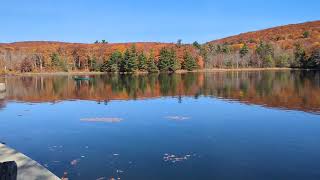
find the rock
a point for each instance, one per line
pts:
(2, 87)
(8, 170)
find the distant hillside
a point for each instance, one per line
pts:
(295, 45)
(286, 36)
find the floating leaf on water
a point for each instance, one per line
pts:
(106, 120)
(119, 171)
(64, 177)
(175, 158)
(75, 162)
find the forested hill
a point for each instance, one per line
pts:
(296, 45)
(307, 34)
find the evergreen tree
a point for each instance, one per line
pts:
(300, 56)
(179, 42)
(58, 63)
(152, 67)
(314, 61)
(174, 62)
(55, 60)
(196, 45)
(168, 60)
(114, 61)
(142, 62)
(164, 60)
(189, 62)
(244, 50)
(125, 58)
(265, 53)
(130, 60)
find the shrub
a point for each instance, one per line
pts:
(306, 34)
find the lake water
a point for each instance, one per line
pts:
(224, 125)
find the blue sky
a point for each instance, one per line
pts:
(146, 20)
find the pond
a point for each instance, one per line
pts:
(217, 125)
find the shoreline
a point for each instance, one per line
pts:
(178, 72)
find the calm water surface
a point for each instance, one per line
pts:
(226, 126)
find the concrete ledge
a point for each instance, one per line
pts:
(27, 168)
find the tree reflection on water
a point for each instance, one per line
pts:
(298, 90)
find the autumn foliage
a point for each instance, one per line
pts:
(48, 56)
(295, 45)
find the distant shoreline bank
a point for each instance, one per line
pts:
(177, 72)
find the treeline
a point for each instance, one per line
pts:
(130, 61)
(262, 55)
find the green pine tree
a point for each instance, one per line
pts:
(174, 62)
(168, 60)
(300, 56)
(130, 60)
(114, 61)
(189, 62)
(152, 67)
(164, 60)
(142, 62)
(55, 60)
(244, 50)
(265, 53)
(196, 45)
